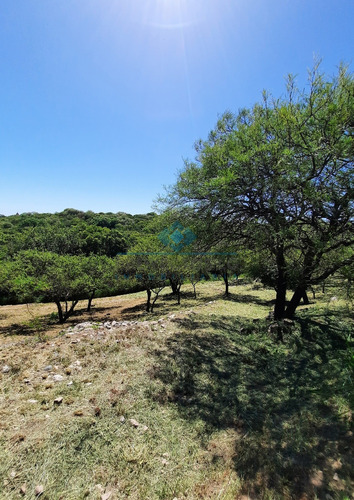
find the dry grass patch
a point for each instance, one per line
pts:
(193, 402)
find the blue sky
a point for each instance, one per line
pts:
(102, 99)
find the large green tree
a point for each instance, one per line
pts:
(278, 178)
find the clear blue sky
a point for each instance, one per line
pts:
(102, 99)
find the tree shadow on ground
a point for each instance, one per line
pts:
(16, 329)
(249, 299)
(279, 398)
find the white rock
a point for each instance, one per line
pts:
(6, 369)
(38, 490)
(32, 400)
(58, 378)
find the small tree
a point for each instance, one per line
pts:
(146, 264)
(100, 273)
(50, 277)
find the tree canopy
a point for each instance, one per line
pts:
(279, 179)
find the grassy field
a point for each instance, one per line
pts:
(198, 401)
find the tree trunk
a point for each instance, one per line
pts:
(173, 286)
(148, 302)
(60, 311)
(179, 293)
(305, 298)
(153, 304)
(226, 281)
(90, 299)
(280, 300)
(69, 312)
(295, 301)
(159, 290)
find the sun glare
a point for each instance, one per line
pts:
(170, 14)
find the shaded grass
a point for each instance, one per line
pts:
(289, 403)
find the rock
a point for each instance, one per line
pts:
(82, 326)
(106, 495)
(70, 383)
(136, 424)
(58, 378)
(6, 369)
(334, 299)
(48, 368)
(58, 401)
(78, 413)
(122, 419)
(38, 490)
(23, 489)
(26, 380)
(107, 325)
(336, 477)
(164, 461)
(32, 400)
